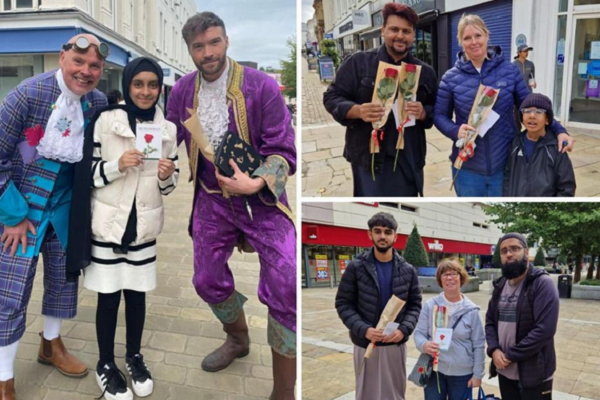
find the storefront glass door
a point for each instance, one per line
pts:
(423, 44)
(584, 98)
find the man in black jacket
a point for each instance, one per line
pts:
(367, 285)
(521, 322)
(348, 100)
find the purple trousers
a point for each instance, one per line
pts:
(217, 223)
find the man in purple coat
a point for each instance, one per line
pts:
(248, 210)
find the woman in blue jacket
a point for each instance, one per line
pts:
(482, 174)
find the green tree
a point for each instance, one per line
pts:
(414, 252)
(496, 259)
(328, 49)
(540, 258)
(561, 259)
(573, 227)
(288, 73)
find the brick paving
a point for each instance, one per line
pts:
(328, 372)
(325, 173)
(180, 328)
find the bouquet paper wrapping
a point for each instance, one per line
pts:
(386, 86)
(389, 314)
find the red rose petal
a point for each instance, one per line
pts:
(410, 67)
(391, 73)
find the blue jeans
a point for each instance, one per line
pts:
(452, 387)
(473, 184)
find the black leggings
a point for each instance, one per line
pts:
(106, 322)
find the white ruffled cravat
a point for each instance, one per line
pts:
(213, 112)
(63, 138)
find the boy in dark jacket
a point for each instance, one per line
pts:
(367, 285)
(535, 167)
(520, 325)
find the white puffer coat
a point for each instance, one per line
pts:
(114, 192)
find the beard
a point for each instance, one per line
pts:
(382, 249)
(514, 269)
(212, 70)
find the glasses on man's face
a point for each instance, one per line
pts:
(449, 275)
(510, 249)
(535, 111)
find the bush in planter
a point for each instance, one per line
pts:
(590, 282)
(540, 258)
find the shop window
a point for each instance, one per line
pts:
(586, 2)
(15, 69)
(404, 207)
(7, 5)
(560, 63)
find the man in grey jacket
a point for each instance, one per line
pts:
(526, 67)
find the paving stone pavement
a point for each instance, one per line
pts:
(325, 172)
(180, 328)
(327, 367)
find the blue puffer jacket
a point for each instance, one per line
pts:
(456, 94)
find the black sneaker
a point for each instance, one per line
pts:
(113, 383)
(141, 379)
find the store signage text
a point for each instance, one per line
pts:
(322, 267)
(420, 6)
(436, 246)
(346, 27)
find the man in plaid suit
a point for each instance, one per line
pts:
(42, 124)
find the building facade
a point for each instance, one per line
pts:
(33, 31)
(334, 233)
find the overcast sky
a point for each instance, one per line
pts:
(307, 10)
(258, 30)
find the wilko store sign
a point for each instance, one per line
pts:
(435, 246)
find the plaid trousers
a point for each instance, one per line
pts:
(60, 296)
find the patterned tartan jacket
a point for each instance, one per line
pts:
(26, 179)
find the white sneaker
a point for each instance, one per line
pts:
(141, 379)
(113, 383)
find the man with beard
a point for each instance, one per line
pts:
(251, 211)
(42, 124)
(367, 284)
(348, 99)
(521, 322)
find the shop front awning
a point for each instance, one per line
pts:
(49, 40)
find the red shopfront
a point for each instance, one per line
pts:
(327, 250)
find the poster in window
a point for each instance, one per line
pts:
(344, 260)
(322, 267)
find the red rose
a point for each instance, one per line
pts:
(410, 67)
(391, 73)
(421, 370)
(442, 337)
(34, 135)
(148, 138)
(490, 92)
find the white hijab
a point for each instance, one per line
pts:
(63, 138)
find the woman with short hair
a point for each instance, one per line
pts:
(462, 366)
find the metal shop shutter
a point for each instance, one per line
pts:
(497, 16)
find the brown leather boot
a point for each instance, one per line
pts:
(237, 345)
(53, 352)
(284, 377)
(7, 390)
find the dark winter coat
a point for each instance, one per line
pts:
(357, 299)
(354, 84)
(456, 95)
(548, 173)
(537, 320)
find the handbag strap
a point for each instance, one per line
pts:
(457, 321)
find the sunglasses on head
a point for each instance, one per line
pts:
(82, 45)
